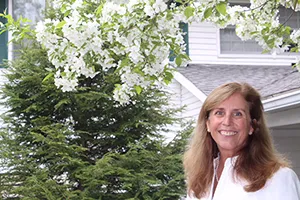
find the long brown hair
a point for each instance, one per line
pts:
(257, 160)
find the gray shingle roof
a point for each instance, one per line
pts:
(268, 80)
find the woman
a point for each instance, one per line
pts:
(231, 155)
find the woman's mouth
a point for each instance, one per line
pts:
(228, 133)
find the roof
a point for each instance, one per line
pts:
(270, 81)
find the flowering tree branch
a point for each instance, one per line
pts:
(134, 39)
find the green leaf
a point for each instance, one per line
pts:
(124, 62)
(271, 42)
(185, 56)
(189, 11)
(221, 8)
(265, 51)
(295, 2)
(254, 33)
(169, 16)
(207, 13)
(47, 77)
(168, 77)
(137, 69)
(138, 89)
(287, 30)
(294, 49)
(60, 24)
(63, 8)
(266, 38)
(265, 30)
(67, 13)
(117, 86)
(99, 10)
(178, 61)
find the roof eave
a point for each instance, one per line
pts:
(189, 86)
(282, 101)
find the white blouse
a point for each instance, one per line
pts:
(283, 185)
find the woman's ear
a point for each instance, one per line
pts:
(207, 126)
(252, 122)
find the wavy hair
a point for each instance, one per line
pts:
(257, 161)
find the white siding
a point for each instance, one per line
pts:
(174, 89)
(284, 117)
(182, 97)
(288, 143)
(191, 103)
(204, 48)
(202, 42)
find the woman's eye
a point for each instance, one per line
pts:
(238, 114)
(219, 113)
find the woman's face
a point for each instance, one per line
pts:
(229, 124)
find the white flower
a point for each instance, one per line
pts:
(159, 6)
(298, 63)
(66, 85)
(77, 4)
(295, 35)
(149, 10)
(121, 10)
(122, 94)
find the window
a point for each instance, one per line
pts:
(3, 36)
(30, 9)
(230, 43)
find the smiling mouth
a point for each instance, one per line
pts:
(228, 133)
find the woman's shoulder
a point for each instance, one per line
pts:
(284, 179)
(285, 173)
(284, 184)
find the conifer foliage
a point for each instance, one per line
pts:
(84, 144)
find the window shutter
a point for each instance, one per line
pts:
(3, 36)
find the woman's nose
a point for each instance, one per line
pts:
(227, 120)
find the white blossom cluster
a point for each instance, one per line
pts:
(133, 38)
(259, 22)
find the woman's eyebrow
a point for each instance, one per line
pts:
(218, 108)
(235, 109)
(239, 109)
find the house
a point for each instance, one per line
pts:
(219, 56)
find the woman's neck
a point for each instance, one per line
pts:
(223, 156)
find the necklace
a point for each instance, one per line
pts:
(216, 169)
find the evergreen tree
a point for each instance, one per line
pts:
(83, 144)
